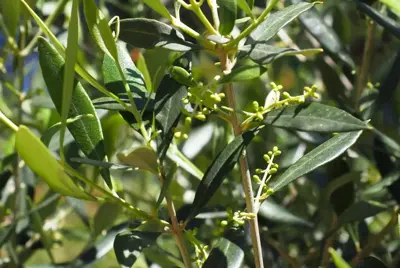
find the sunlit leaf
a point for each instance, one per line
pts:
(324, 153)
(87, 132)
(129, 245)
(243, 73)
(149, 33)
(225, 254)
(227, 10)
(314, 117)
(218, 170)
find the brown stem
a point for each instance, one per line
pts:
(374, 241)
(365, 64)
(244, 169)
(176, 229)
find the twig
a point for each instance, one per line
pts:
(176, 229)
(244, 169)
(365, 64)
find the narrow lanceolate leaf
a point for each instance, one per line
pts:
(115, 83)
(371, 262)
(227, 11)
(338, 260)
(264, 54)
(393, 4)
(149, 33)
(324, 153)
(87, 131)
(218, 170)
(10, 11)
(99, 28)
(133, 243)
(244, 5)
(243, 73)
(314, 117)
(276, 21)
(38, 158)
(325, 35)
(158, 7)
(112, 77)
(225, 254)
(277, 213)
(69, 70)
(360, 211)
(384, 21)
(142, 158)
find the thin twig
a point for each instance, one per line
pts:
(176, 229)
(244, 169)
(365, 64)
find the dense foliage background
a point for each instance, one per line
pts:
(349, 205)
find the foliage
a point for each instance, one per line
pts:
(218, 133)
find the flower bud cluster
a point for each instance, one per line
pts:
(277, 99)
(264, 191)
(202, 98)
(236, 219)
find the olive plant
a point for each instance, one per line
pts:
(161, 110)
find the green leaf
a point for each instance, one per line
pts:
(110, 104)
(314, 117)
(166, 183)
(142, 67)
(326, 36)
(218, 170)
(10, 13)
(250, 3)
(129, 245)
(87, 132)
(393, 4)
(43, 163)
(6, 233)
(264, 54)
(360, 211)
(387, 23)
(143, 158)
(243, 73)
(158, 7)
(227, 12)
(69, 71)
(324, 153)
(245, 6)
(112, 78)
(168, 106)
(149, 33)
(105, 216)
(338, 260)
(225, 254)
(99, 28)
(276, 213)
(276, 21)
(371, 262)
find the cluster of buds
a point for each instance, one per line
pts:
(203, 99)
(276, 99)
(237, 219)
(201, 250)
(264, 191)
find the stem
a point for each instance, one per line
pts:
(49, 21)
(214, 11)
(252, 26)
(8, 122)
(244, 169)
(366, 62)
(257, 199)
(199, 13)
(176, 229)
